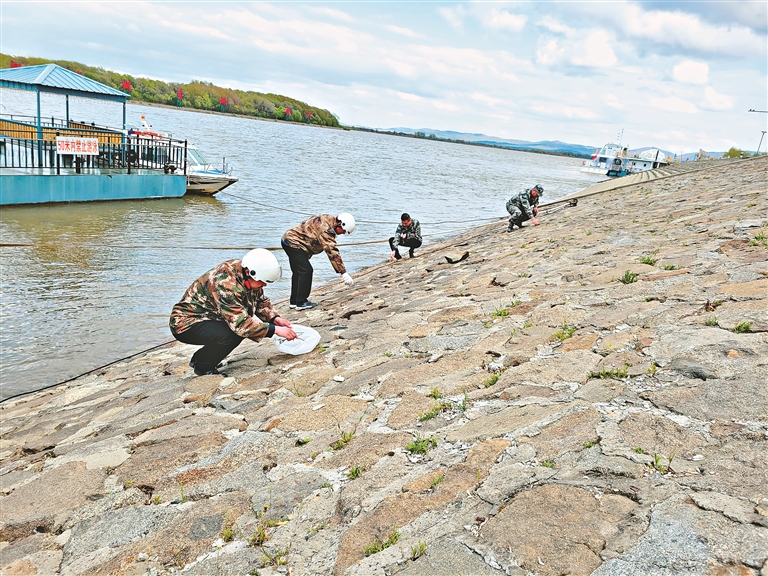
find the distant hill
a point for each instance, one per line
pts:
(548, 146)
(195, 94)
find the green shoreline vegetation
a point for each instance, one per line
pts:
(205, 96)
(197, 94)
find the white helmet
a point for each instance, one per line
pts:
(347, 222)
(261, 264)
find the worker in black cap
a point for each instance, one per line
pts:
(523, 207)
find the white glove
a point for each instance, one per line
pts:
(347, 279)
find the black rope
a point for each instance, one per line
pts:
(361, 221)
(86, 373)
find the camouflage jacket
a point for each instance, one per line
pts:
(220, 295)
(524, 202)
(412, 232)
(316, 234)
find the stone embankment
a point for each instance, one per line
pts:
(584, 397)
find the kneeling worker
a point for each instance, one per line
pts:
(316, 234)
(408, 234)
(218, 309)
(523, 207)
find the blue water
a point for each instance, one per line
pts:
(76, 300)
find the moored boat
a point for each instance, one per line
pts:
(203, 177)
(615, 160)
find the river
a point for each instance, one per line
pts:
(77, 300)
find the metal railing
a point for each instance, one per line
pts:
(135, 153)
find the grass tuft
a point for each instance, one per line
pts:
(628, 278)
(564, 333)
(377, 545)
(421, 445)
(742, 327)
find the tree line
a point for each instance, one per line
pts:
(196, 94)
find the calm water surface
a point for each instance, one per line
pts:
(77, 300)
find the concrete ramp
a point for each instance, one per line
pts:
(651, 175)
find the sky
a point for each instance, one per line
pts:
(677, 75)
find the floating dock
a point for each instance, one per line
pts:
(67, 161)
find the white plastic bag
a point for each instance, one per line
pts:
(307, 339)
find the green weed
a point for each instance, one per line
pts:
(564, 333)
(418, 550)
(435, 393)
(276, 558)
(589, 444)
(652, 369)
(612, 373)
(436, 481)
(670, 267)
(650, 260)
(181, 490)
(711, 321)
(659, 466)
(421, 445)
(500, 313)
(527, 324)
(302, 441)
(435, 411)
(742, 327)
(259, 536)
(344, 439)
(638, 450)
(628, 278)
(356, 471)
(463, 404)
(492, 379)
(548, 464)
(377, 545)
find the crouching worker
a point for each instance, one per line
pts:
(218, 309)
(408, 234)
(523, 207)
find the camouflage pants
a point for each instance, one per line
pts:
(516, 217)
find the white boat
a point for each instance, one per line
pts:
(203, 177)
(616, 160)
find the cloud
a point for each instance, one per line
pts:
(478, 97)
(685, 31)
(446, 106)
(715, 101)
(401, 68)
(558, 110)
(501, 19)
(690, 72)
(403, 31)
(611, 101)
(595, 51)
(198, 31)
(674, 104)
(409, 97)
(549, 53)
(454, 16)
(338, 14)
(554, 26)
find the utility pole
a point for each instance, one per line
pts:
(757, 152)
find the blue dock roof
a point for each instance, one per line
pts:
(52, 78)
